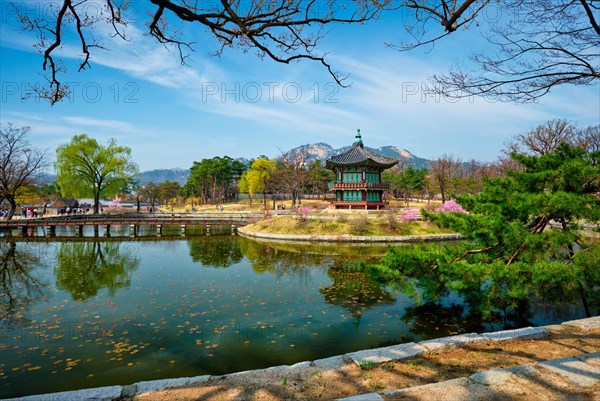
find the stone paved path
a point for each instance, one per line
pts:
(576, 378)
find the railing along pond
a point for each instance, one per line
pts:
(233, 220)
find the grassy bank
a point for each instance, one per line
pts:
(360, 225)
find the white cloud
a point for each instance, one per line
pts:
(140, 56)
(120, 126)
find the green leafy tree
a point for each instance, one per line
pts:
(244, 187)
(214, 179)
(521, 238)
(319, 177)
(260, 176)
(404, 183)
(86, 168)
(168, 192)
(150, 192)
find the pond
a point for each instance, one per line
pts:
(85, 312)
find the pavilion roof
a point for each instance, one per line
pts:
(359, 155)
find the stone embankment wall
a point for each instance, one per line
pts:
(350, 238)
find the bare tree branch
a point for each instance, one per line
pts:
(553, 43)
(19, 163)
(540, 44)
(282, 30)
(450, 15)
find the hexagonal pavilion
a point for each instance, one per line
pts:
(358, 177)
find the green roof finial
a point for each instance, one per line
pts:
(358, 139)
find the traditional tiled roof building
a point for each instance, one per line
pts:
(358, 177)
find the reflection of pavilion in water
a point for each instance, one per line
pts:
(355, 292)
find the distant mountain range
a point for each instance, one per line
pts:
(322, 151)
(164, 174)
(317, 151)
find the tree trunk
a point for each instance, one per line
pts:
(13, 207)
(96, 201)
(584, 301)
(214, 196)
(138, 203)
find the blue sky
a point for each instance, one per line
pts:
(242, 106)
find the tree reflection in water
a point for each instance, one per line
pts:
(355, 291)
(83, 268)
(18, 287)
(351, 289)
(275, 259)
(215, 251)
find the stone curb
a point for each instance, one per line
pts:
(376, 355)
(386, 354)
(438, 344)
(156, 385)
(585, 324)
(89, 394)
(363, 397)
(350, 238)
(525, 333)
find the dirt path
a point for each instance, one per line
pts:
(313, 383)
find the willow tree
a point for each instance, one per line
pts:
(86, 168)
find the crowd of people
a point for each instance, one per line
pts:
(68, 211)
(32, 212)
(3, 214)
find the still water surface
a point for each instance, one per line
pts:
(84, 313)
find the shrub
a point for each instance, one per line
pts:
(359, 225)
(451, 206)
(391, 219)
(410, 215)
(302, 213)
